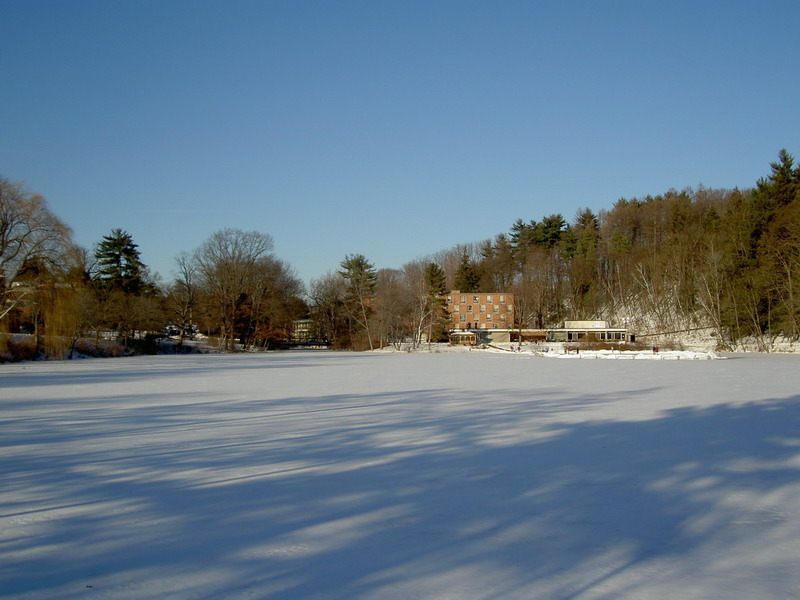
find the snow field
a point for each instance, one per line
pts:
(364, 476)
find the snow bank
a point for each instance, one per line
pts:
(633, 355)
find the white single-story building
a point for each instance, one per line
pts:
(589, 331)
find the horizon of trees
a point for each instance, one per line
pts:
(727, 261)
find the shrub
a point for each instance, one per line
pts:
(14, 348)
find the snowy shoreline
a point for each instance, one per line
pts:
(559, 351)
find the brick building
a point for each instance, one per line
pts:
(480, 310)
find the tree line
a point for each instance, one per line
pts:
(231, 288)
(725, 261)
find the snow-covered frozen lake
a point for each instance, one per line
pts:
(386, 476)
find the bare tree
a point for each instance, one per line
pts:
(328, 297)
(28, 230)
(425, 286)
(393, 308)
(539, 292)
(182, 295)
(269, 307)
(226, 264)
(420, 305)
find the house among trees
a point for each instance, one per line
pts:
(305, 333)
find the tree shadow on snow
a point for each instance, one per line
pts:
(391, 495)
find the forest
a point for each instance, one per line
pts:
(719, 261)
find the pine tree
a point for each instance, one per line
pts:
(436, 284)
(548, 233)
(467, 277)
(361, 281)
(120, 266)
(435, 280)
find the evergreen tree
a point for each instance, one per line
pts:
(435, 280)
(776, 223)
(522, 238)
(120, 266)
(586, 231)
(361, 281)
(360, 275)
(436, 284)
(467, 277)
(548, 233)
(498, 264)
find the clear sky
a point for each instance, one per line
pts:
(389, 128)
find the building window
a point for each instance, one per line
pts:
(489, 299)
(611, 336)
(489, 317)
(469, 307)
(496, 308)
(502, 317)
(476, 299)
(463, 299)
(463, 318)
(456, 308)
(483, 308)
(449, 299)
(502, 299)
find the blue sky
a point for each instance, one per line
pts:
(392, 129)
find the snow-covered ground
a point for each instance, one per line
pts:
(391, 475)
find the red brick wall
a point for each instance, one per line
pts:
(480, 310)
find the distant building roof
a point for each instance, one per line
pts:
(586, 325)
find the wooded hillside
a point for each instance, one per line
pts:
(726, 262)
